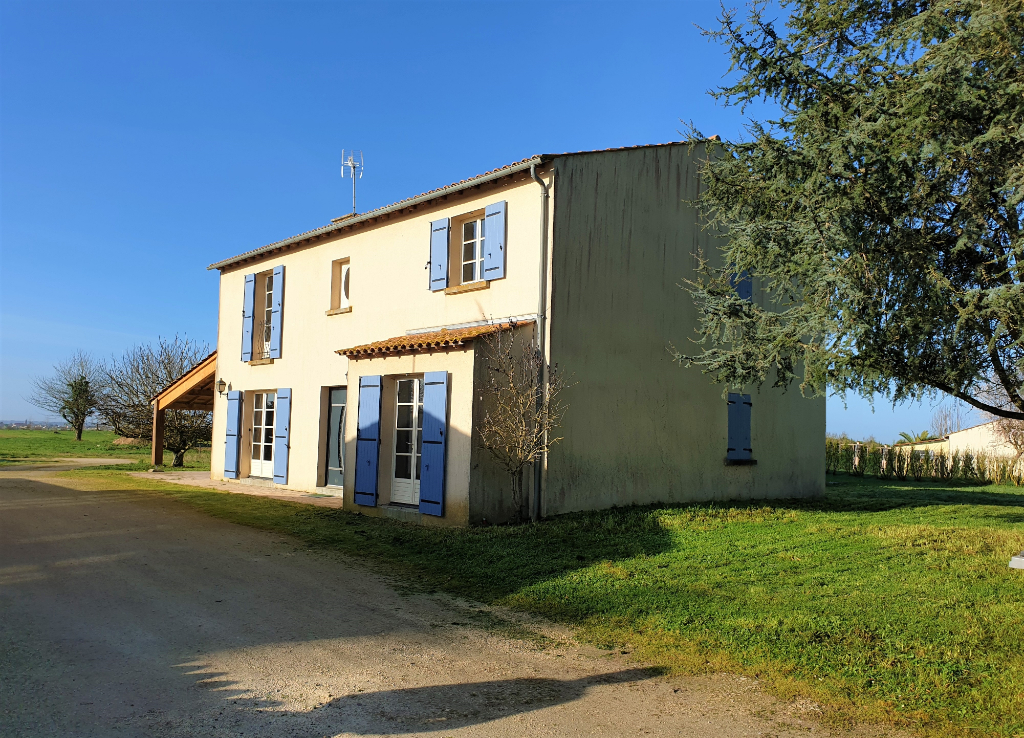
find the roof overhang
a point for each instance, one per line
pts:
(340, 226)
(194, 390)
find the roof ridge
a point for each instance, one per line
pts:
(507, 169)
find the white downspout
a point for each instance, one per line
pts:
(538, 466)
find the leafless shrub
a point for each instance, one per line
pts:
(522, 395)
(1011, 433)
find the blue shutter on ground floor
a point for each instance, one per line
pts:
(494, 241)
(438, 255)
(739, 428)
(232, 435)
(282, 424)
(435, 433)
(368, 440)
(276, 313)
(248, 305)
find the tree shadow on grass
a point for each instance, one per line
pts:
(861, 494)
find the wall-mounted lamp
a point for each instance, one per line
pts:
(221, 386)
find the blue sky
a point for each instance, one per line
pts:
(139, 142)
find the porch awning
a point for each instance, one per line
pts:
(193, 390)
(423, 342)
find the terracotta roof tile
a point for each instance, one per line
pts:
(432, 341)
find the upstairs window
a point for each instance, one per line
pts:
(473, 234)
(265, 300)
(468, 252)
(262, 315)
(340, 285)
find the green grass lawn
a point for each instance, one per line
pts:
(883, 601)
(18, 446)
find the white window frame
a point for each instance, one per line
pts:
(407, 491)
(259, 469)
(341, 299)
(477, 260)
(268, 312)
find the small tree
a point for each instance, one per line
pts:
(139, 375)
(72, 391)
(524, 407)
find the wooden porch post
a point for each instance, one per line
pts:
(158, 434)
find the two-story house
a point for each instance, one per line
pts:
(349, 355)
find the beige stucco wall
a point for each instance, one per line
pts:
(389, 296)
(639, 428)
(980, 438)
(459, 365)
(931, 446)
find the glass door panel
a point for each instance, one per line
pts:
(405, 483)
(262, 459)
(336, 437)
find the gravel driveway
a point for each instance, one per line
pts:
(129, 615)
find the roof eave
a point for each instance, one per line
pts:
(398, 206)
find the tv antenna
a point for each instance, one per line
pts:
(353, 160)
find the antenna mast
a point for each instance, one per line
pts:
(353, 159)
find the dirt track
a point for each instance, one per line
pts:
(124, 615)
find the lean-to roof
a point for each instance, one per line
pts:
(419, 342)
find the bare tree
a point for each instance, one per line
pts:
(950, 419)
(1010, 432)
(72, 391)
(523, 411)
(139, 375)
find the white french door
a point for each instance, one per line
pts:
(263, 412)
(405, 482)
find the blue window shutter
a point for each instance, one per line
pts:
(275, 313)
(282, 424)
(435, 433)
(248, 303)
(232, 435)
(368, 440)
(743, 285)
(739, 428)
(438, 255)
(494, 241)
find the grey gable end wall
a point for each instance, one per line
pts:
(640, 429)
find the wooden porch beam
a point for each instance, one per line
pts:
(159, 416)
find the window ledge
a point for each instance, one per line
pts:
(260, 362)
(339, 311)
(741, 462)
(471, 287)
